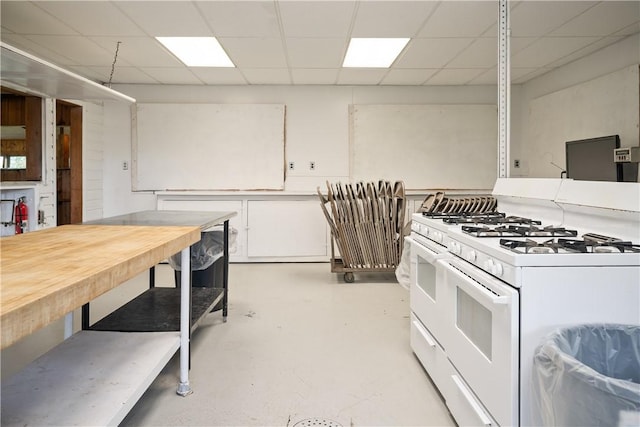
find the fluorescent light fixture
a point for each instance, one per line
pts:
(197, 51)
(373, 52)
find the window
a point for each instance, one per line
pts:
(21, 137)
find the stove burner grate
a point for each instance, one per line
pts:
(561, 245)
(519, 231)
(463, 216)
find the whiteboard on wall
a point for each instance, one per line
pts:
(426, 146)
(607, 105)
(208, 147)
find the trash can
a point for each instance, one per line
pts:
(587, 375)
(206, 255)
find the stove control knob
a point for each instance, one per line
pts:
(497, 270)
(437, 236)
(472, 256)
(455, 248)
(488, 265)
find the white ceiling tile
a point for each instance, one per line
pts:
(307, 76)
(27, 45)
(361, 76)
(222, 76)
(315, 53)
(406, 76)
(528, 76)
(518, 73)
(549, 49)
(255, 52)
(240, 18)
(250, 32)
(487, 77)
(79, 50)
(27, 18)
(172, 75)
(482, 53)
(431, 53)
(605, 18)
(454, 76)
(316, 18)
(121, 75)
(166, 18)
(627, 31)
(461, 19)
(599, 44)
(93, 18)
(267, 76)
(537, 18)
(141, 51)
(519, 43)
(391, 19)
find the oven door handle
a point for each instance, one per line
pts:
(427, 253)
(486, 421)
(479, 290)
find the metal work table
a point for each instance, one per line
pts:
(92, 377)
(157, 309)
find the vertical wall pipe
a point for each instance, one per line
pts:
(504, 90)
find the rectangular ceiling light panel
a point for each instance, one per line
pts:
(373, 52)
(197, 51)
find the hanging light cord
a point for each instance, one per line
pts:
(113, 66)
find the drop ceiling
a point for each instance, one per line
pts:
(288, 42)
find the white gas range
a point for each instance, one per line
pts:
(486, 291)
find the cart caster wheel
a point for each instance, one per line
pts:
(349, 278)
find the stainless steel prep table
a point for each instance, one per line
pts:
(157, 309)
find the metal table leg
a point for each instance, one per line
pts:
(225, 272)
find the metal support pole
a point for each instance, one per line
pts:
(68, 325)
(225, 272)
(504, 90)
(184, 388)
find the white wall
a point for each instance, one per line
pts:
(317, 118)
(317, 126)
(583, 73)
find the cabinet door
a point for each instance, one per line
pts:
(286, 228)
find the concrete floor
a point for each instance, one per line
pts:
(300, 345)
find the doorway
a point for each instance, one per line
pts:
(69, 162)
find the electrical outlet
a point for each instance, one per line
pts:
(125, 165)
(292, 166)
(312, 166)
(516, 163)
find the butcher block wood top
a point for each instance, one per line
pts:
(48, 273)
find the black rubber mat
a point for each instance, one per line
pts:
(158, 310)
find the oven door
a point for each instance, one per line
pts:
(426, 291)
(482, 340)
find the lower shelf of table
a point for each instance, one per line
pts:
(92, 378)
(158, 310)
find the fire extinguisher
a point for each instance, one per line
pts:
(21, 216)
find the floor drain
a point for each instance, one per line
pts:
(317, 422)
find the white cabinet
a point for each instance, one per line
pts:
(287, 228)
(271, 227)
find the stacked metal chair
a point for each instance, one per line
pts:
(366, 222)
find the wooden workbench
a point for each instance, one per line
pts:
(46, 274)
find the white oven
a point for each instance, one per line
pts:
(482, 301)
(427, 304)
(481, 339)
